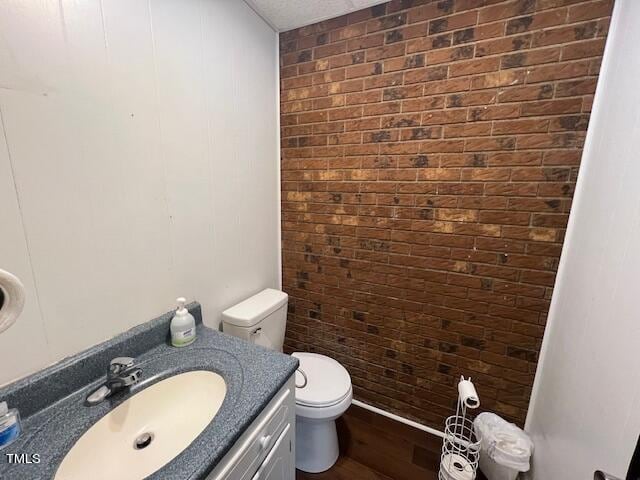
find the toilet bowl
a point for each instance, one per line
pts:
(323, 386)
(323, 393)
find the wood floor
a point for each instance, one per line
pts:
(348, 469)
(344, 469)
(373, 447)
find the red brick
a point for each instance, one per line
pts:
(557, 72)
(429, 157)
(502, 10)
(588, 10)
(552, 107)
(591, 48)
(453, 22)
(564, 34)
(472, 67)
(520, 126)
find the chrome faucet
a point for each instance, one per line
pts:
(122, 373)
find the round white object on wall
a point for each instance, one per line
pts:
(11, 299)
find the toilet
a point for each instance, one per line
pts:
(323, 386)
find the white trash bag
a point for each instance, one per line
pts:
(505, 449)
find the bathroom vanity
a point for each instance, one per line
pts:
(219, 409)
(266, 450)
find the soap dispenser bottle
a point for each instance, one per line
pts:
(183, 326)
(9, 425)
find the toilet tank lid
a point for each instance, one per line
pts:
(250, 311)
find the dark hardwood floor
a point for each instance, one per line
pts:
(348, 469)
(374, 447)
(344, 469)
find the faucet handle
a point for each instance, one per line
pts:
(119, 364)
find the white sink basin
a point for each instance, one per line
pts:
(173, 412)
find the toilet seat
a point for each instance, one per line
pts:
(323, 414)
(327, 382)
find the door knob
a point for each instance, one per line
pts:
(264, 441)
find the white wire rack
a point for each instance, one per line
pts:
(461, 446)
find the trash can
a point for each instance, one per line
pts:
(505, 449)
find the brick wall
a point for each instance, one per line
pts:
(429, 155)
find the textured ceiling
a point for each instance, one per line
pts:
(288, 14)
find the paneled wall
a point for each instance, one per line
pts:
(585, 404)
(430, 151)
(138, 163)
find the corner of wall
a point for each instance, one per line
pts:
(278, 159)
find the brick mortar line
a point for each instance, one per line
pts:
(440, 361)
(428, 96)
(451, 139)
(432, 269)
(428, 283)
(425, 52)
(533, 117)
(475, 236)
(412, 416)
(441, 384)
(520, 372)
(459, 234)
(424, 337)
(474, 43)
(470, 76)
(454, 333)
(440, 109)
(423, 112)
(437, 109)
(508, 267)
(435, 270)
(487, 303)
(504, 20)
(451, 332)
(500, 136)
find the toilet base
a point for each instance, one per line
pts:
(316, 444)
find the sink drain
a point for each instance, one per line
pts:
(143, 441)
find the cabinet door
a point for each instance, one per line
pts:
(249, 452)
(279, 463)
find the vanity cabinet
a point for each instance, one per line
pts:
(266, 450)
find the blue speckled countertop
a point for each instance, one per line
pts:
(54, 415)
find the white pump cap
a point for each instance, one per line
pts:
(4, 408)
(181, 301)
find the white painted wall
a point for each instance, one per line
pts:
(584, 413)
(138, 162)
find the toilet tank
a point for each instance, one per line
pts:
(260, 319)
